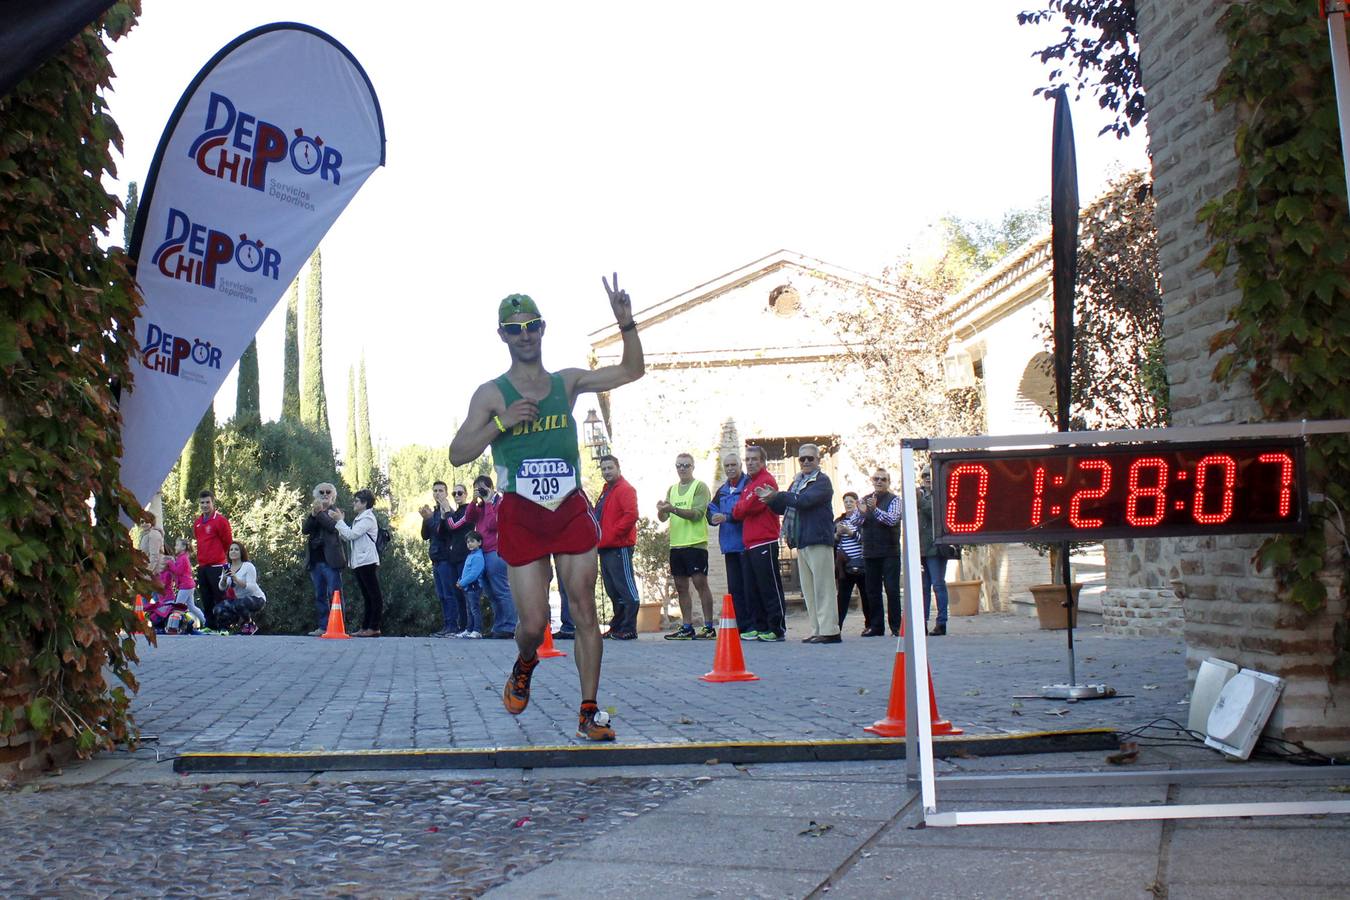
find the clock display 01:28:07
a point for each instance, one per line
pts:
(1148, 490)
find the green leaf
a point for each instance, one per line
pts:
(39, 713)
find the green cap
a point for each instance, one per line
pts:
(516, 303)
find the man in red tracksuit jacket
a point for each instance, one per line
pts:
(760, 529)
(214, 536)
(617, 510)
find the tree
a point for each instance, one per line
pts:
(129, 219)
(413, 468)
(290, 373)
(350, 469)
(1101, 38)
(313, 400)
(247, 413)
(1119, 372)
(67, 312)
(198, 470)
(365, 453)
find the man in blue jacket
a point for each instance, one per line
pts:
(729, 537)
(808, 525)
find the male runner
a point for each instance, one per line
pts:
(544, 517)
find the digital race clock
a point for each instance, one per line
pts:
(1138, 490)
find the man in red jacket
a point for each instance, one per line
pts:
(617, 510)
(759, 528)
(213, 534)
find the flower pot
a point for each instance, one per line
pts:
(649, 618)
(963, 597)
(1050, 609)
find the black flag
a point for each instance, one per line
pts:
(1064, 245)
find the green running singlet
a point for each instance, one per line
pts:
(540, 460)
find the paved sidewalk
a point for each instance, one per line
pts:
(283, 693)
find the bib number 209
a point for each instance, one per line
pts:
(546, 481)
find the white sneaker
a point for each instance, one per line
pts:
(460, 634)
(471, 634)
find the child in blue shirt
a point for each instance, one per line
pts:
(469, 579)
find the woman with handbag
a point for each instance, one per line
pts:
(849, 571)
(364, 559)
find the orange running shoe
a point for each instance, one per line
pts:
(593, 725)
(516, 694)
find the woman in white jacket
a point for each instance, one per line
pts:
(243, 597)
(365, 559)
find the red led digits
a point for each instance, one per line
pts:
(981, 497)
(1076, 504)
(1229, 466)
(1158, 492)
(1286, 464)
(1038, 504)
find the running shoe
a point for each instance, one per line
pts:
(749, 635)
(770, 637)
(593, 725)
(516, 694)
(248, 628)
(622, 635)
(471, 635)
(706, 633)
(683, 633)
(564, 634)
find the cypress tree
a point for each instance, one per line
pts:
(247, 414)
(313, 400)
(365, 454)
(199, 457)
(290, 376)
(129, 223)
(350, 470)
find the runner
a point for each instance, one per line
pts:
(526, 415)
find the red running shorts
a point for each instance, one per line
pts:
(527, 531)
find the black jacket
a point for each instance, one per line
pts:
(324, 541)
(435, 531)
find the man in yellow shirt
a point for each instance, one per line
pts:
(685, 506)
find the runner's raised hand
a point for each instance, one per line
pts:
(618, 301)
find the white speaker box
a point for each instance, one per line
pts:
(1244, 705)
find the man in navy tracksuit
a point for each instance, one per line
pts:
(729, 534)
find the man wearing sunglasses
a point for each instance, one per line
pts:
(686, 508)
(808, 526)
(544, 518)
(881, 554)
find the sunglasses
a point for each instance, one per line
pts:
(806, 459)
(534, 326)
(880, 480)
(459, 493)
(684, 465)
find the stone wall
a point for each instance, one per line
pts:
(1231, 611)
(24, 755)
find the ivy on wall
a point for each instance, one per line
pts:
(1284, 226)
(68, 573)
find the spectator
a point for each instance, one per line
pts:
(686, 507)
(932, 558)
(243, 598)
(458, 527)
(809, 528)
(183, 585)
(848, 563)
(881, 553)
(212, 532)
(617, 511)
(760, 530)
(151, 543)
(438, 538)
(470, 578)
(729, 536)
(484, 520)
(325, 555)
(365, 559)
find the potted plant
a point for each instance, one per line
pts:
(1052, 609)
(963, 594)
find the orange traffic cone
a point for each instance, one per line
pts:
(140, 608)
(894, 723)
(337, 630)
(546, 649)
(728, 663)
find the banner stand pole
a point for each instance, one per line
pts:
(914, 639)
(1335, 12)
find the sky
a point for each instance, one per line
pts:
(534, 147)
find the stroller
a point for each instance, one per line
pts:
(170, 617)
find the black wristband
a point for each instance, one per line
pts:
(629, 327)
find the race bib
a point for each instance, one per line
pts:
(546, 481)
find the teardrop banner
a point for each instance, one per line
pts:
(265, 149)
